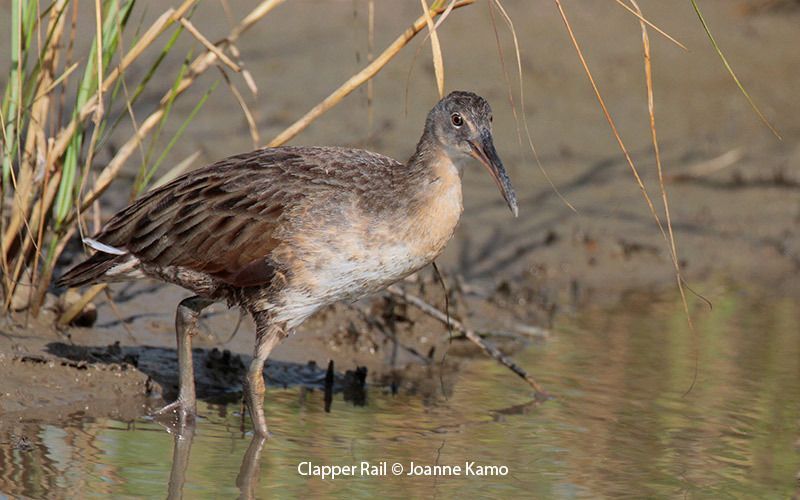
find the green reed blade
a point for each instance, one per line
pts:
(114, 20)
(731, 72)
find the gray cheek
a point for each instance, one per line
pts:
(454, 152)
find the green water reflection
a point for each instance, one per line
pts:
(622, 423)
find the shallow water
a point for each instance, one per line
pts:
(621, 422)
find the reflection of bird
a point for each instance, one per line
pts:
(285, 231)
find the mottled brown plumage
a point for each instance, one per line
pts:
(285, 231)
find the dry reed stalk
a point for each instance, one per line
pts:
(42, 76)
(76, 308)
(49, 190)
(248, 114)
(98, 20)
(671, 241)
(35, 142)
(610, 120)
(208, 45)
(200, 65)
(145, 41)
(667, 235)
(37, 180)
(648, 71)
(47, 274)
(436, 48)
(638, 14)
(358, 79)
(255, 15)
(370, 57)
(65, 134)
(517, 52)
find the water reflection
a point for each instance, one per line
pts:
(621, 422)
(246, 480)
(183, 437)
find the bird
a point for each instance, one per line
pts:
(283, 232)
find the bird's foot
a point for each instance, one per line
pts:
(186, 411)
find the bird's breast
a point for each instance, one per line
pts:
(350, 252)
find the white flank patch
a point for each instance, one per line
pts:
(102, 247)
(346, 279)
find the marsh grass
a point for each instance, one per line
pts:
(60, 106)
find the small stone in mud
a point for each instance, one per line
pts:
(503, 288)
(86, 318)
(153, 389)
(21, 443)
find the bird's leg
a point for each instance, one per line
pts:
(267, 337)
(185, 328)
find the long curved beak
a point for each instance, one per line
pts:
(483, 151)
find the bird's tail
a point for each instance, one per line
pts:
(108, 264)
(89, 271)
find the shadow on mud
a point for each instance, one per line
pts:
(218, 374)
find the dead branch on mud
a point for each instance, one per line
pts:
(470, 334)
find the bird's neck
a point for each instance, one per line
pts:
(432, 172)
(431, 162)
(434, 198)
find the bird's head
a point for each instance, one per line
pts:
(461, 124)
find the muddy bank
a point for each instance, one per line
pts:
(51, 375)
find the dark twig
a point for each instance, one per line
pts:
(236, 328)
(329, 379)
(470, 334)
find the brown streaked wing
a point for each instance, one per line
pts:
(219, 220)
(223, 219)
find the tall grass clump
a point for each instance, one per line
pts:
(58, 107)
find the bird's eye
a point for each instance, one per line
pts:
(457, 119)
(491, 118)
